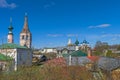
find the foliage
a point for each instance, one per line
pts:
(96, 53)
(118, 47)
(110, 54)
(53, 70)
(101, 46)
(48, 73)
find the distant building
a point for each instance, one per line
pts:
(69, 48)
(66, 49)
(84, 45)
(49, 50)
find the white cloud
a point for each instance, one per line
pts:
(110, 35)
(49, 5)
(100, 26)
(5, 4)
(114, 39)
(72, 35)
(54, 35)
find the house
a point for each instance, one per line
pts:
(49, 50)
(66, 49)
(76, 58)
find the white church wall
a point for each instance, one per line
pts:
(9, 52)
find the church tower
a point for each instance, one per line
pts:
(25, 35)
(10, 33)
(69, 42)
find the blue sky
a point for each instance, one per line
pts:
(53, 22)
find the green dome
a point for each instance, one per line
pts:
(11, 46)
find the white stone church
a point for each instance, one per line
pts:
(20, 54)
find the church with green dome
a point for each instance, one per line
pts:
(18, 54)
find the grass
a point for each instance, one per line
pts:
(48, 72)
(52, 70)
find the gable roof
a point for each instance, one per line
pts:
(11, 46)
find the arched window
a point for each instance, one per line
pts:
(23, 37)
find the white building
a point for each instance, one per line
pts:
(49, 50)
(21, 56)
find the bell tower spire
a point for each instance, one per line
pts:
(25, 35)
(10, 33)
(25, 27)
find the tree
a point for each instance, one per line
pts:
(109, 53)
(118, 48)
(100, 47)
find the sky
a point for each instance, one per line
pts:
(53, 22)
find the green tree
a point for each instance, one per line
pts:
(109, 53)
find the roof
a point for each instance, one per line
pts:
(107, 63)
(76, 54)
(11, 46)
(4, 58)
(25, 27)
(93, 58)
(104, 63)
(66, 47)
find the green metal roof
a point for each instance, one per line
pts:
(75, 54)
(11, 46)
(4, 58)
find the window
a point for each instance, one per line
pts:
(23, 37)
(27, 37)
